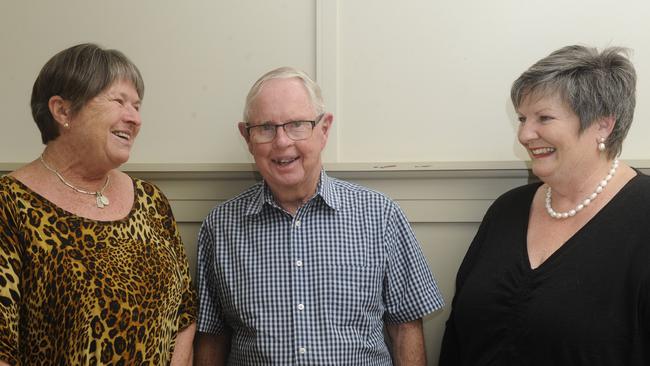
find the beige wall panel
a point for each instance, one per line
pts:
(443, 188)
(444, 246)
(189, 232)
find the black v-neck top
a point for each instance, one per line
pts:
(587, 304)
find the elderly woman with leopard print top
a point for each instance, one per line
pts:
(92, 267)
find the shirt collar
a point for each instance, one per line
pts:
(326, 190)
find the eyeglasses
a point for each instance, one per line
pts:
(295, 130)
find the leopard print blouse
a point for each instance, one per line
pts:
(75, 291)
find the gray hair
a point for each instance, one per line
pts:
(315, 94)
(593, 84)
(78, 74)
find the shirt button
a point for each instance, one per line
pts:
(297, 223)
(302, 350)
(299, 263)
(301, 307)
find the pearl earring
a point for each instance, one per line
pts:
(601, 145)
(66, 125)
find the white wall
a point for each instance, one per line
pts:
(198, 59)
(424, 80)
(413, 80)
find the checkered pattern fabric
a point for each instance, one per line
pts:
(315, 288)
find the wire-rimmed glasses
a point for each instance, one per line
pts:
(295, 130)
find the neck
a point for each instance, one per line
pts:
(292, 199)
(574, 189)
(293, 205)
(580, 191)
(76, 169)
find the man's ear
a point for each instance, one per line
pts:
(244, 133)
(60, 110)
(326, 123)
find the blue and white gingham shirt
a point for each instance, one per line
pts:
(314, 289)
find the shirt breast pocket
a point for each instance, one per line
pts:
(354, 297)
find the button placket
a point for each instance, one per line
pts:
(300, 286)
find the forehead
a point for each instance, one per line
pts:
(121, 86)
(280, 100)
(538, 101)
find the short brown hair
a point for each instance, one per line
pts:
(78, 74)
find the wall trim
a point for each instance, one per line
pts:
(379, 170)
(327, 67)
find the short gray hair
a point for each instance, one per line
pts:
(286, 72)
(594, 84)
(78, 74)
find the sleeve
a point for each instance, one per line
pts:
(10, 297)
(450, 352)
(186, 313)
(644, 309)
(410, 291)
(187, 309)
(210, 319)
(644, 295)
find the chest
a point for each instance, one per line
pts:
(588, 289)
(265, 268)
(545, 237)
(71, 260)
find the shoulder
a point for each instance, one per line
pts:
(18, 202)
(11, 189)
(525, 191)
(354, 202)
(633, 199)
(355, 193)
(6, 182)
(7, 186)
(640, 184)
(148, 196)
(238, 205)
(517, 198)
(143, 184)
(145, 188)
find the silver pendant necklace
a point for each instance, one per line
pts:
(100, 199)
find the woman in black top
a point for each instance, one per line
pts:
(559, 271)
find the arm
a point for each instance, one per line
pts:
(183, 349)
(211, 350)
(182, 354)
(213, 338)
(450, 349)
(407, 341)
(10, 273)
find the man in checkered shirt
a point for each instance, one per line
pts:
(303, 268)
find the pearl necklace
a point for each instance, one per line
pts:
(100, 199)
(583, 204)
